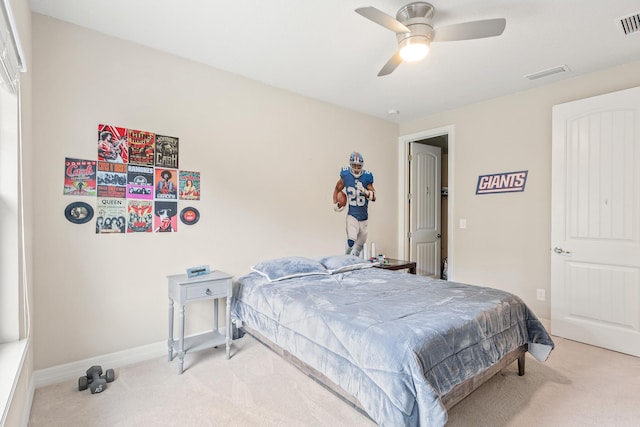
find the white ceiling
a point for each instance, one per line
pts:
(324, 50)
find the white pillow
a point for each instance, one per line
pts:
(289, 267)
(343, 263)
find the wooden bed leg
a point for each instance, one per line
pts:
(521, 364)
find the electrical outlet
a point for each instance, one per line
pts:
(540, 294)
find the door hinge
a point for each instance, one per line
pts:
(409, 235)
(409, 158)
(409, 196)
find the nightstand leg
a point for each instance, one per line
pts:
(215, 315)
(181, 342)
(170, 343)
(228, 327)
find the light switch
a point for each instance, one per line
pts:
(463, 223)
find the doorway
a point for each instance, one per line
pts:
(426, 234)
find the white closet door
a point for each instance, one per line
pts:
(595, 231)
(424, 205)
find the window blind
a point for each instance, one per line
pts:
(11, 62)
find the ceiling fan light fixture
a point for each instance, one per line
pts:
(414, 49)
(414, 30)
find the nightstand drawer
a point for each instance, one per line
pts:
(207, 290)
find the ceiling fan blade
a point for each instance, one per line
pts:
(470, 30)
(391, 65)
(383, 19)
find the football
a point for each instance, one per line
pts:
(342, 199)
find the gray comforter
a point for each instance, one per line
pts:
(394, 341)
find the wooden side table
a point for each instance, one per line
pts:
(397, 264)
(184, 290)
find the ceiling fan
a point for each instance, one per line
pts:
(415, 32)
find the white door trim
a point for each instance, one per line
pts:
(403, 203)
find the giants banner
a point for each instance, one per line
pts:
(506, 182)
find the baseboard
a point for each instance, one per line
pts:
(74, 370)
(546, 323)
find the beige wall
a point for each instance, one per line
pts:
(507, 240)
(269, 160)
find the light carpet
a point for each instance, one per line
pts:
(579, 385)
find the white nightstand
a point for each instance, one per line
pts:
(183, 290)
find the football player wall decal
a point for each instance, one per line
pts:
(357, 184)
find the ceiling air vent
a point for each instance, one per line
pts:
(630, 24)
(548, 72)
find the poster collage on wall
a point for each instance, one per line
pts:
(136, 180)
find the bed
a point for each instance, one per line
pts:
(399, 347)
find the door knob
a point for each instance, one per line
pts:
(560, 251)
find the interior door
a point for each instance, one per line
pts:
(595, 230)
(424, 208)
